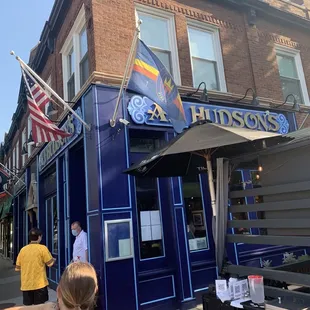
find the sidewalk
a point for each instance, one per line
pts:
(10, 294)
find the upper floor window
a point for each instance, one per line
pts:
(75, 60)
(291, 74)
(83, 64)
(49, 83)
(17, 154)
(29, 150)
(206, 56)
(24, 143)
(14, 158)
(157, 31)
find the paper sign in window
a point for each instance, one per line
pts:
(151, 229)
(124, 247)
(146, 233)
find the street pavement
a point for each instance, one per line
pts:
(10, 294)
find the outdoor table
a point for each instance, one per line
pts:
(248, 305)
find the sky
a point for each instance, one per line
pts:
(21, 25)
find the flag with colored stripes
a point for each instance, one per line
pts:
(150, 78)
(43, 129)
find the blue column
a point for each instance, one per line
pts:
(185, 289)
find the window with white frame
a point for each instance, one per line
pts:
(75, 60)
(83, 63)
(29, 150)
(24, 140)
(291, 74)
(17, 154)
(49, 83)
(14, 158)
(206, 56)
(157, 31)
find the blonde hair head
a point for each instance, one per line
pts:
(78, 286)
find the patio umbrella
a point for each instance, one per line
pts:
(205, 140)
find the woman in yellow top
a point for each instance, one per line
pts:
(76, 290)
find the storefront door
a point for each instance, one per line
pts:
(153, 230)
(52, 234)
(52, 223)
(197, 205)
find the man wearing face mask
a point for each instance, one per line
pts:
(80, 244)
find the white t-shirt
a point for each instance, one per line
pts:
(80, 246)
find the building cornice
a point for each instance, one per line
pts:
(265, 9)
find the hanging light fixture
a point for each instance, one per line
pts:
(204, 96)
(51, 110)
(254, 102)
(296, 106)
(30, 139)
(24, 149)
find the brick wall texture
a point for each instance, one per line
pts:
(248, 51)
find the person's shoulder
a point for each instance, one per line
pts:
(84, 233)
(43, 247)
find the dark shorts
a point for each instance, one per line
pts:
(35, 297)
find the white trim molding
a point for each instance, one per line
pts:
(73, 41)
(214, 31)
(169, 17)
(291, 52)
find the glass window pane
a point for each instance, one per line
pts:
(141, 141)
(71, 88)
(287, 66)
(201, 44)
(205, 71)
(258, 199)
(119, 240)
(71, 65)
(291, 87)
(149, 217)
(236, 183)
(55, 225)
(154, 31)
(83, 43)
(196, 222)
(164, 57)
(84, 70)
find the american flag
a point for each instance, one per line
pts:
(43, 129)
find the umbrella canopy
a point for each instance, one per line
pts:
(203, 141)
(176, 158)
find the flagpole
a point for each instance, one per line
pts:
(11, 172)
(42, 89)
(303, 122)
(32, 73)
(127, 69)
(8, 193)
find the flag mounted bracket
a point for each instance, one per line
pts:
(126, 73)
(29, 71)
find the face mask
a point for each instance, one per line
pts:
(74, 232)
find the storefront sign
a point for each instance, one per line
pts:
(144, 111)
(73, 126)
(20, 183)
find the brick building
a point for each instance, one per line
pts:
(232, 46)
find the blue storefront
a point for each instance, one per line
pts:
(150, 240)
